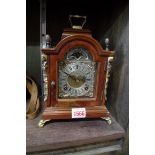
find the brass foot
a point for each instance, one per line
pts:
(108, 119)
(42, 123)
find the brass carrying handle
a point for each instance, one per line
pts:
(77, 26)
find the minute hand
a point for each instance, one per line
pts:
(66, 73)
(72, 76)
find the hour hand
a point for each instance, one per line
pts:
(73, 77)
(66, 73)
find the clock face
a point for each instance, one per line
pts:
(77, 74)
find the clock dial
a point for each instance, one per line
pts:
(77, 77)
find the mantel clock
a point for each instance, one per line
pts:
(77, 71)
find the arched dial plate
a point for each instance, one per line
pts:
(77, 75)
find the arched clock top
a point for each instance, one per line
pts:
(79, 40)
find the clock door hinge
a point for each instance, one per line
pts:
(105, 65)
(52, 87)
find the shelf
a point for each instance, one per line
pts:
(69, 135)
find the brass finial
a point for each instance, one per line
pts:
(107, 44)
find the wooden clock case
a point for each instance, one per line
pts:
(95, 108)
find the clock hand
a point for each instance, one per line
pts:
(72, 76)
(80, 78)
(66, 73)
